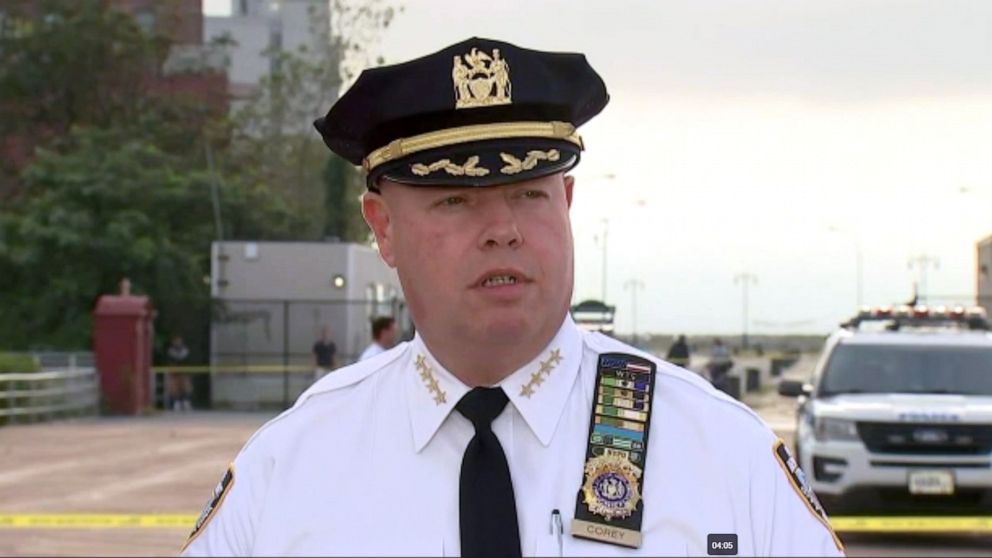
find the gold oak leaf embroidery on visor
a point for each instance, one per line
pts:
(427, 375)
(537, 378)
(470, 168)
(514, 165)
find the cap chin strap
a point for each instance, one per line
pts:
(565, 164)
(402, 147)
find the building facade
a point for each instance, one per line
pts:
(271, 301)
(256, 26)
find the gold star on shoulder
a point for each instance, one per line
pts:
(430, 382)
(542, 373)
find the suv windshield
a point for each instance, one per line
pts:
(908, 369)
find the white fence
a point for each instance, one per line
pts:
(52, 393)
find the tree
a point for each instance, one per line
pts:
(108, 204)
(273, 128)
(119, 184)
(68, 63)
(76, 62)
(343, 215)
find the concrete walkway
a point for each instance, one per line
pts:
(162, 464)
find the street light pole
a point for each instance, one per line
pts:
(633, 285)
(606, 232)
(923, 262)
(745, 279)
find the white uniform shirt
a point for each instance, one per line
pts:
(367, 463)
(371, 351)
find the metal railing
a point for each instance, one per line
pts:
(50, 394)
(62, 359)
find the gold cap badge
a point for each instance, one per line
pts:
(481, 80)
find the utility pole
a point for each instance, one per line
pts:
(923, 262)
(633, 285)
(745, 279)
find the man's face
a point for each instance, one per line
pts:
(481, 265)
(387, 338)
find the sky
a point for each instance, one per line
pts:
(775, 138)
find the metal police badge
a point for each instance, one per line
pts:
(609, 507)
(611, 486)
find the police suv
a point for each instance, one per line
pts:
(899, 411)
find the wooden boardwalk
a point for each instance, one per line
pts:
(167, 463)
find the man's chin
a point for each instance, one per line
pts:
(508, 329)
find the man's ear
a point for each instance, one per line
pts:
(569, 183)
(376, 213)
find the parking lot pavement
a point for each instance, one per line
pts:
(777, 411)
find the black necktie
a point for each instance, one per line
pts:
(487, 510)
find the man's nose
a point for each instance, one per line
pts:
(501, 226)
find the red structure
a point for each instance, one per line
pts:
(122, 345)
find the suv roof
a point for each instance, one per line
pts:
(950, 338)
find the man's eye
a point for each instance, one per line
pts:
(534, 194)
(452, 201)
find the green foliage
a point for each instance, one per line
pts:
(107, 205)
(274, 127)
(343, 187)
(11, 362)
(119, 185)
(69, 63)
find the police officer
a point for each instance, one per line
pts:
(501, 429)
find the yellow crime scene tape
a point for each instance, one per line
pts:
(95, 520)
(912, 524)
(895, 524)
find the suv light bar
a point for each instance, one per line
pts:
(920, 316)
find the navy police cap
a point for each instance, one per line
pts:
(477, 113)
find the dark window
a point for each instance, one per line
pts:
(908, 369)
(146, 20)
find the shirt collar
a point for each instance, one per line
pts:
(538, 390)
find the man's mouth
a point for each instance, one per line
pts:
(499, 281)
(500, 277)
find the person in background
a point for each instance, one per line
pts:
(720, 362)
(678, 353)
(383, 337)
(324, 354)
(180, 385)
